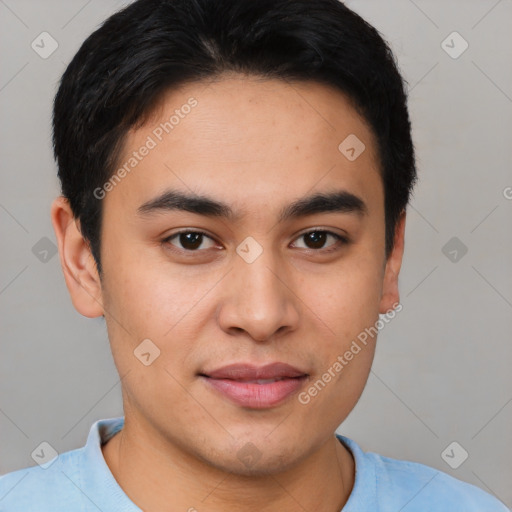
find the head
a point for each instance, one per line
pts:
(235, 176)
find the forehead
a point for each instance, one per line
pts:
(239, 138)
(251, 111)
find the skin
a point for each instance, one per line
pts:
(256, 145)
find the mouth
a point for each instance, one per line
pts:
(255, 387)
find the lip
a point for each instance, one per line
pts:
(238, 383)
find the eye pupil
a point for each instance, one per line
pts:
(190, 240)
(315, 240)
(317, 237)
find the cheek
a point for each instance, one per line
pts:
(148, 298)
(349, 306)
(346, 299)
(155, 302)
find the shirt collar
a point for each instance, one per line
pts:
(100, 486)
(364, 492)
(98, 482)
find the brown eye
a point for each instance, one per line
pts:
(317, 239)
(190, 240)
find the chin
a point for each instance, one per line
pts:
(246, 459)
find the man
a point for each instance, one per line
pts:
(235, 176)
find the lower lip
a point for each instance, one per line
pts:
(256, 396)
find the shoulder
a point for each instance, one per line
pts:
(43, 489)
(426, 488)
(415, 487)
(74, 480)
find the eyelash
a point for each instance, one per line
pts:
(340, 240)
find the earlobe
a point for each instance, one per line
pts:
(390, 293)
(78, 265)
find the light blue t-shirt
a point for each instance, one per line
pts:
(80, 481)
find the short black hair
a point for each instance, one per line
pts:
(123, 69)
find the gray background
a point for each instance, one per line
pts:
(442, 367)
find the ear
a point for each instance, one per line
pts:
(78, 265)
(390, 295)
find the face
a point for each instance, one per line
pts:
(260, 285)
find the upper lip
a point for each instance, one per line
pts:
(245, 371)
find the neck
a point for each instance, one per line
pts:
(154, 476)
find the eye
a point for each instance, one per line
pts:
(317, 238)
(194, 241)
(190, 240)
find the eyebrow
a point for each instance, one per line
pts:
(340, 201)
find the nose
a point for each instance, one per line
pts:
(259, 298)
